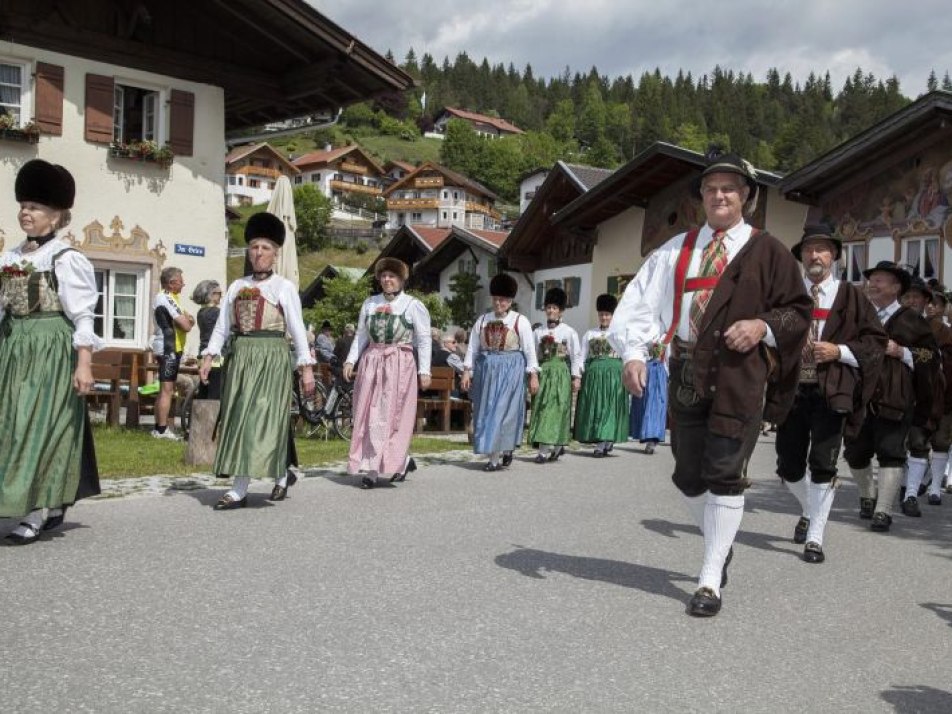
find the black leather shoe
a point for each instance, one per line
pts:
(507, 459)
(554, 456)
(279, 493)
(813, 553)
(800, 532)
(599, 454)
(491, 467)
(56, 521)
(910, 507)
(704, 603)
(866, 507)
(881, 522)
(649, 447)
(32, 535)
(230, 503)
(399, 478)
(935, 499)
(730, 557)
(540, 459)
(367, 482)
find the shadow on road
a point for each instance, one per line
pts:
(761, 541)
(920, 699)
(536, 563)
(943, 611)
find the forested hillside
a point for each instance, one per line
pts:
(777, 121)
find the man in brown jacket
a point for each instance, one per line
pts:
(901, 406)
(743, 298)
(840, 368)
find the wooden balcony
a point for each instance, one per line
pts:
(353, 168)
(354, 187)
(257, 171)
(428, 182)
(472, 207)
(404, 204)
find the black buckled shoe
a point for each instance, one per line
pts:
(506, 459)
(55, 521)
(866, 508)
(229, 503)
(935, 499)
(649, 448)
(599, 454)
(813, 553)
(491, 467)
(556, 453)
(800, 532)
(279, 493)
(727, 561)
(704, 603)
(401, 477)
(910, 507)
(31, 536)
(540, 459)
(881, 522)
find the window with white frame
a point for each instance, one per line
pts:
(121, 318)
(466, 265)
(853, 262)
(135, 114)
(14, 92)
(921, 254)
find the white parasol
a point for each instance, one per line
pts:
(282, 206)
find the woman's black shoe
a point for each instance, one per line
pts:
(367, 482)
(491, 467)
(55, 521)
(32, 535)
(507, 458)
(556, 453)
(399, 478)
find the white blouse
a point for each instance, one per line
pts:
(512, 320)
(594, 333)
(413, 311)
(279, 292)
(76, 280)
(569, 337)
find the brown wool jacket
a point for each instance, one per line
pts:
(852, 322)
(763, 281)
(901, 389)
(943, 337)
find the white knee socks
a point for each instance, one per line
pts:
(939, 462)
(889, 478)
(799, 490)
(819, 503)
(695, 506)
(239, 489)
(722, 517)
(915, 470)
(864, 480)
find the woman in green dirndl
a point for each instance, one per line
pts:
(601, 414)
(558, 351)
(254, 424)
(48, 301)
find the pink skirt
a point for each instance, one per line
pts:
(385, 399)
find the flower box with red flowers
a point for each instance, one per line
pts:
(9, 131)
(144, 151)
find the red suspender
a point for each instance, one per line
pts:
(820, 314)
(680, 272)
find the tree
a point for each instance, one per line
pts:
(462, 148)
(561, 122)
(313, 212)
(341, 303)
(462, 305)
(434, 304)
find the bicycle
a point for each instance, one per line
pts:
(333, 408)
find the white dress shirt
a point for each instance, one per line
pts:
(594, 333)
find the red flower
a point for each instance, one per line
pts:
(249, 294)
(385, 309)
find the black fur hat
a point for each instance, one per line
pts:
(265, 225)
(42, 182)
(556, 296)
(392, 265)
(606, 303)
(503, 285)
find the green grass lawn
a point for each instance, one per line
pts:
(310, 264)
(124, 453)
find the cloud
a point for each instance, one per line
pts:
(622, 37)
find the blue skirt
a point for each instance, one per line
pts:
(499, 401)
(649, 412)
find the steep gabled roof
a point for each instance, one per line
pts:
(456, 242)
(405, 165)
(500, 124)
(456, 179)
(240, 152)
(322, 158)
(903, 132)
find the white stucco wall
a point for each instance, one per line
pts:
(618, 251)
(530, 185)
(183, 204)
(579, 317)
(784, 219)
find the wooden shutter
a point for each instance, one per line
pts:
(49, 98)
(181, 122)
(100, 99)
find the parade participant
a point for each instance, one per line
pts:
(601, 415)
(168, 343)
(254, 425)
(901, 406)
(840, 369)
(499, 354)
(385, 394)
(930, 302)
(48, 302)
(208, 295)
(647, 418)
(742, 294)
(560, 375)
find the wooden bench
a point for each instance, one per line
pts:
(108, 375)
(439, 400)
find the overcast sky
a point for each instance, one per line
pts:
(619, 37)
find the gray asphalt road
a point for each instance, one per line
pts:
(555, 588)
